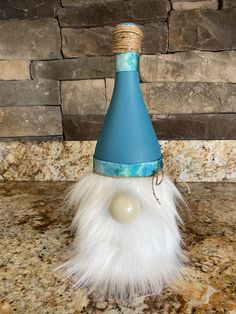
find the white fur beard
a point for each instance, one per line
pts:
(123, 261)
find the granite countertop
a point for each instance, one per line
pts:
(35, 237)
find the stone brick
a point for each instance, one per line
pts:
(24, 93)
(110, 13)
(28, 9)
(109, 89)
(74, 3)
(83, 97)
(169, 127)
(189, 67)
(196, 126)
(14, 69)
(171, 98)
(202, 30)
(86, 41)
(229, 4)
(194, 4)
(30, 39)
(97, 40)
(74, 69)
(181, 98)
(30, 121)
(83, 127)
(155, 38)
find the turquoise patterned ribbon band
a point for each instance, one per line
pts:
(127, 61)
(112, 169)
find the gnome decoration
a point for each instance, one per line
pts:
(127, 242)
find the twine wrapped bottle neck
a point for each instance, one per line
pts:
(126, 37)
(126, 44)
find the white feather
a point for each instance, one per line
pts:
(124, 260)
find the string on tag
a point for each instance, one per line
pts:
(157, 178)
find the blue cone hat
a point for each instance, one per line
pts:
(127, 145)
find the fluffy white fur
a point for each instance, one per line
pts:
(124, 260)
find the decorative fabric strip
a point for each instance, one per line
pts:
(112, 169)
(127, 61)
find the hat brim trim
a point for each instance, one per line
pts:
(112, 169)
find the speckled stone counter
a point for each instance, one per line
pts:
(189, 161)
(35, 237)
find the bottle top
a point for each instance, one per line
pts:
(126, 37)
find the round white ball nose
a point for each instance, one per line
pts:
(124, 208)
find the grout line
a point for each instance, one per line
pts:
(220, 4)
(168, 28)
(62, 115)
(60, 28)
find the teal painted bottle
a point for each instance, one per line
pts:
(127, 144)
